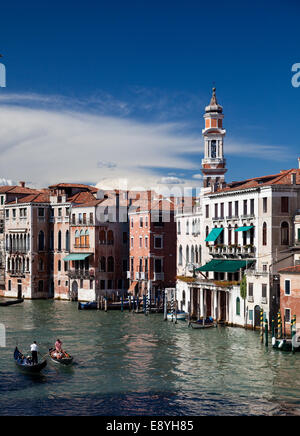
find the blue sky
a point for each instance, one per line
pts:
(146, 67)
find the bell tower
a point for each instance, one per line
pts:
(213, 164)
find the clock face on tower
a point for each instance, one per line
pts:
(213, 149)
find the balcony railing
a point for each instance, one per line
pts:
(159, 276)
(81, 274)
(14, 273)
(82, 222)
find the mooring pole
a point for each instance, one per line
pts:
(293, 328)
(122, 304)
(262, 326)
(266, 333)
(279, 326)
(105, 304)
(165, 305)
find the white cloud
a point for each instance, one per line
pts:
(48, 146)
(170, 180)
(197, 176)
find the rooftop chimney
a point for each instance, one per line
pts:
(293, 178)
(22, 184)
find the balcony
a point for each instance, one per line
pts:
(82, 223)
(81, 274)
(14, 273)
(158, 276)
(248, 216)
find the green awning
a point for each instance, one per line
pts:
(230, 266)
(243, 229)
(214, 234)
(77, 256)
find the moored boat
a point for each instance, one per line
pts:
(90, 305)
(11, 302)
(285, 344)
(203, 323)
(26, 365)
(179, 315)
(62, 358)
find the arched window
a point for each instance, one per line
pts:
(27, 264)
(102, 237)
(236, 235)
(187, 227)
(77, 239)
(238, 306)
(178, 228)
(196, 255)
(8, 264)
(187, 254)
(180, 255)
(59, 265)
(67, 240)
(229, 234)
(110, 264)
(87, 238)
(102, 264)
(82, 238)
(183, 297)
(110, 237)
(59, 241)
(28, 242)
(7, 243)
(285, 233)
(41, 241)
(192, 255)
(41, 265)
(264, 234)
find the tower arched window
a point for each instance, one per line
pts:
(284, 233)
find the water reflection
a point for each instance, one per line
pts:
(128, 364)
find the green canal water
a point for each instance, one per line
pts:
(128, 364)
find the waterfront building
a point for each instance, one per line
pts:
(152, 245)
(27, 272)
(289, 296)
(249, 229)
(98, 259)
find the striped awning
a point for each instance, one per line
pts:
(214, 234)
(230, 266)
(77, 256)
(243, 229)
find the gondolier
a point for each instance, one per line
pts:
(34, 352)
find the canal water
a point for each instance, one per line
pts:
(128, 364)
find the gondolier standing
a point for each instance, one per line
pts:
(34, 352)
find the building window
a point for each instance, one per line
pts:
(9, 285)
(287, 315)
(59, 265)
(245, 207)
(284, 233)
(187, 255)
(157, 241)
(284, 204)
(238, 306)
(109, 284)
(59, 211)
(66, 266)
(264, 291)
(180, 256)
(178, 228)
(110, 264)
(41, 241)
(207, 211)
(252, 207)
(236, 208)
(6, 213)
(125, 265)
(125, 237)
(216, 210)
(59, 241)
(230, 209)
(77, 239)
(264, 234)
(287, 287)
(222, 211)
(250, 315)
(265, 205)
(146, 241)
(91, 284)
(131, 242)
(87, 238)
(67, 241)
(250, 289)
(41, 212)
(41, 286)
(102, 264)
(141, 222)
(187, 227)
(102, 284)
(102, 237)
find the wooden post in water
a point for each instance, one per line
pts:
(293, 328)
(279, 326)
(172, 304)
(261, 326)
(165, 305)
(122, 304)
(266, 333)
(98, 302)
(176, 306)
(137, 303)
(105, 304)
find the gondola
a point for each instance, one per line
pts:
(11, 302)
(179, 315)
(200, 324)
(63, 360)
(90, 305)
(23, 364)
